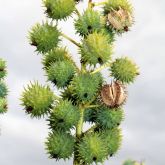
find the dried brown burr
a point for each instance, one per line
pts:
(120, 19)
(114, 94)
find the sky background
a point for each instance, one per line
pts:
(22, 138)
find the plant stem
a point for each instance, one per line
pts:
(90, 4)
(79, 130)
(80, 123)
(99, 3)
(70, 39)
(92, 106)
(101, 68)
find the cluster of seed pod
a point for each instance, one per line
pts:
(3, 87)
(85, 96)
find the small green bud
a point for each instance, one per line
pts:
(44, 36)
(92, 148)
(37, 100)
(109, 118)
(124, 70)
(60, 145)
(2, 68)
(89, 22)
(61, 73)
(3, 89)
(86, 86)
(96, 49)
(64, 116)
(59, 9)
(3, 105)
(56, 54)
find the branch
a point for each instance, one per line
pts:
(101, 68)
(99, 3)
(70, 39)
(92, 106)
(90, 4)
(80, 123)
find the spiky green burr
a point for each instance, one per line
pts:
(113, 139)
(3, 87)
(44, 36)
(109, 33)
(92, 149)
(89, 22)
(109, 118)
(68, 94)
(55, 55)
(124, 70)
(86, 86)
(3, 71)
(3, 90)
(59, 9)
(37, 99)
(3, 105)
(90, 115)
(64, 116)
(61, 73)
(60, 145)
(96, 49)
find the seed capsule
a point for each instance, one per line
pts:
(120, 20)
(114, 94)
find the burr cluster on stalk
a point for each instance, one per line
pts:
(85, 95)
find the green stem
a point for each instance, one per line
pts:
(70, 39)
(99, 3)
(79, 131)
(101, 68)
(79, 128)
(92, 106)
(90, 4)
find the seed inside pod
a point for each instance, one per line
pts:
(114, 94)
